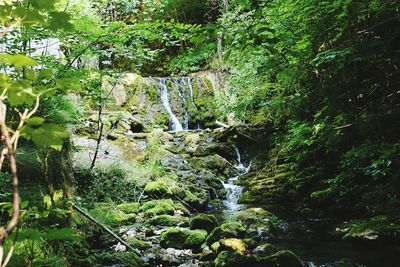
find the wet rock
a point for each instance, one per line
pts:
(265, 249)
(226, 230)
(260, 223)
(231, 259)
(182, 238)
(204, 221)
(233, 244)
(281, 258)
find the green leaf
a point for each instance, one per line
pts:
(58, 195)
(17, 60)
(60, 21)
(46, 74)
(24, 204)
(35, 121)
(47, 201)
(43, 4)
(51, 135)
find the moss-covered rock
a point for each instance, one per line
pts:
(166, 220)
(281, 258)
(259, 222)
(157, 189)
(233, 244)
(182, 238)
(158, 207)
(204, 221)
(226, 230)
(129, 208)
(231, 259)
(138, 244)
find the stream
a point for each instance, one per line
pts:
(203, 164)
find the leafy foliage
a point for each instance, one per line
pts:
(324, 74)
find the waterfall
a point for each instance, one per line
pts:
(173, 89)
(175, 123)
(234, 191)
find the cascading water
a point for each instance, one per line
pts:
(181, 87)
(234, 191)
(175, 123)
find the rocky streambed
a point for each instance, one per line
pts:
(182, 196)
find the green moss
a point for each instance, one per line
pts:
(281, 258)
(158, 207)
(166, 220)
(215, 246)
(231, 259)
(157, 189)
(256, 216)
(209, 85)
(182, 238)
(322, 195)
(138, 244)
(153, 93)
(227, 230)
(204, 221)
(129, 207)
(111, 216)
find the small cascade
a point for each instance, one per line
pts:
(179, 91)
(175, 123)
(234, 191)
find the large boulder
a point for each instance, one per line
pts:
(182, 238)
(204, 221)
(227, 230)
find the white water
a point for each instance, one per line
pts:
(175, 123)
(234, 191)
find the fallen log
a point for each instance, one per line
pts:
(108, 230)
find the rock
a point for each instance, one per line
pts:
(166, 220)
(120, 248)
(182, 238)
(129, 207)
(157, 189)
(260, 223)
(265, 249)
(192, 142)
(158, 207)
(284, 258)
(233, 244)
(139, 135)
(231, 259)
(204, 221)
(138, 244)
(207, 254)
(227, 230)
(112, 136)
